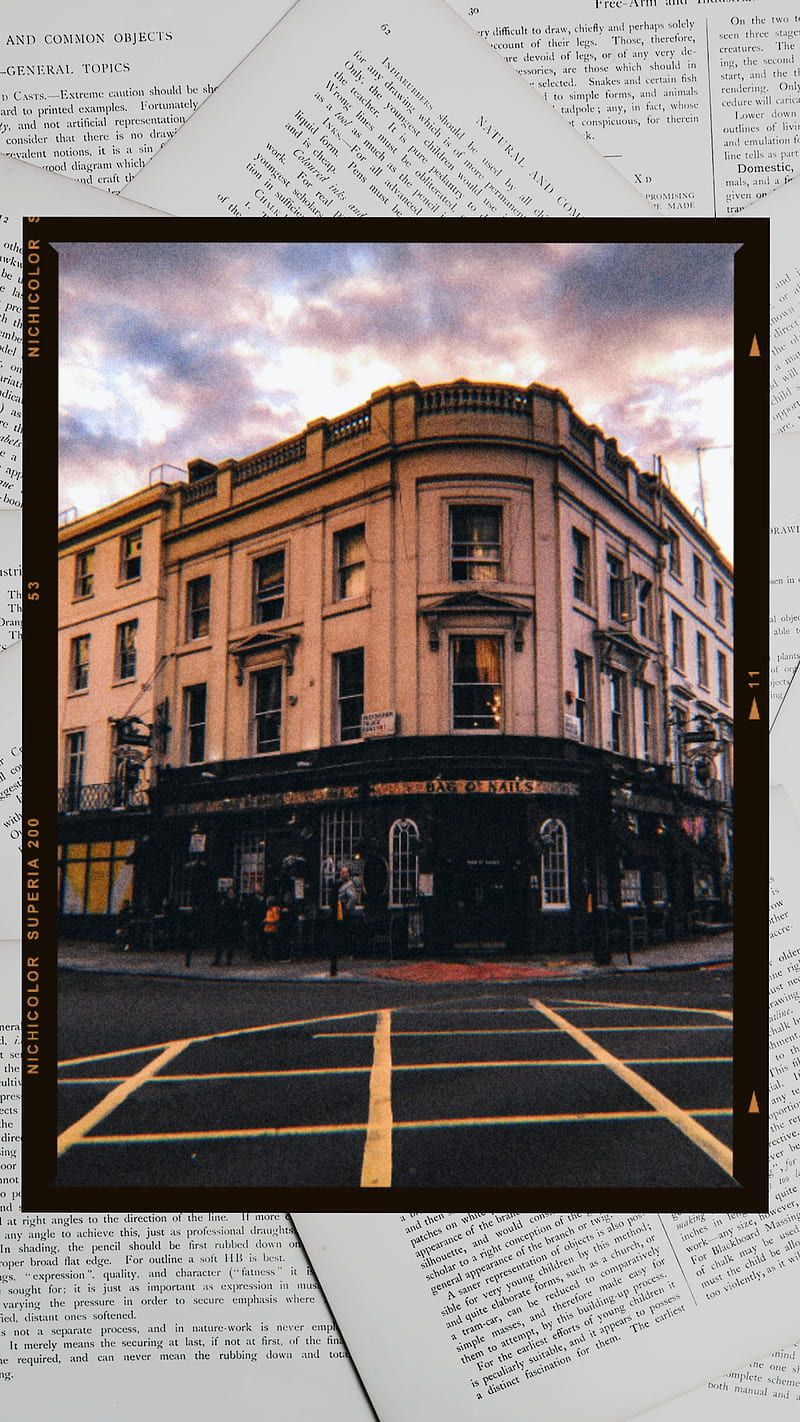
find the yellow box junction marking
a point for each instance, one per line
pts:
(109, 1103)
(697, 1134)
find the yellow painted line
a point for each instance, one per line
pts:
(259, 1132)
(643, 1007)
(235, 1133)
(109, 1103)
(225, 1075)
(216, 1036)
(396, 1067)
(109, 1056)
(526, 1031)
(721, 1154)
(376, 1166)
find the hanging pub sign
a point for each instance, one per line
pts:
(197, 843)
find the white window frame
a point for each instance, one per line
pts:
(403, 863)
(279, 587)
(618, 711)
(491, 550)
(345, 568)
(677, 642)
(249, 862)
(584, 665)
(193, 608)
(119, 651)
(723, 683)
(496, 730)
(79, 669)
(341, 828)
(581, 566)
(648, 720)
(84, 573)
(342, 700)
(130, 553)
(630, 888)
(554, 866)
(190, 726)
(276, 667)
(701, 652)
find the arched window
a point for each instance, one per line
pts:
(555, 869)
(403, 863)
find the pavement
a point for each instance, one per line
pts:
(95, 957)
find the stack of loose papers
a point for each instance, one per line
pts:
(421, 109)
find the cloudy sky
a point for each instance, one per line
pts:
(172, 352)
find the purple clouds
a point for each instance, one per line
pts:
(173, 351)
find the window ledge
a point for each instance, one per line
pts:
(82, 597)
(79, 691)
(123, 680)
(347, 604)
(273, 624)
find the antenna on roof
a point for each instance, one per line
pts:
(700, 508)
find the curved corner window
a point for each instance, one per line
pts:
(403, 863)
(555, 870)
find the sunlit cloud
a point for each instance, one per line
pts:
(175, 351)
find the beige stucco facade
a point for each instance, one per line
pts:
(448, 610)
(399, 468)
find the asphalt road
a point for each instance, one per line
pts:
(622, 1081)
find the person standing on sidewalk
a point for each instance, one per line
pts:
(228, 926)
(272, 927)
(346, 900)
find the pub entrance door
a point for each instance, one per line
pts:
(479, 904)
(484, 908)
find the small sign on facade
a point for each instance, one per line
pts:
(572, 728)
(223, 885)
(197, 844)
(378, 723)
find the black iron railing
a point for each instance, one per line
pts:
(83, 799)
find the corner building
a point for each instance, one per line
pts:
(425, 640)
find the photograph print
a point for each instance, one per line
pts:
(386, 775)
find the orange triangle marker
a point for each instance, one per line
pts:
(753, 1107)
(755, 349)
(754, 712)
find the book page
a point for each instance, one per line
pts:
(784, 768)
(784, 578)
(93, 92)
(580, 1317)
(374, 120)
(26, 190)
(783, 210)
(696, 105)
(769, 1389)
(143, 1315)
(10, 573)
